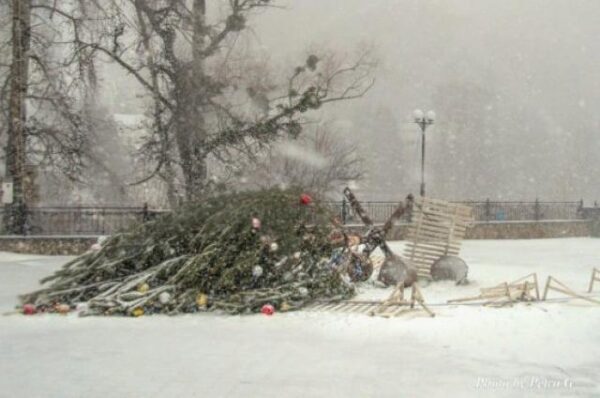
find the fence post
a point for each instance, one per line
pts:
(536, 209)
(344, 210)
(580, 213)
(26, 224)
(145, 214)
(103, 221)
(488, 210)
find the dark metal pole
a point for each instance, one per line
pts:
(423, 126)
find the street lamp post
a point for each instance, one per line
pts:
(424, 121)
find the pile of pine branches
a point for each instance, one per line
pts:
(234, 253)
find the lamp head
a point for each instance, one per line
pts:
(431, 116)
(418, 115)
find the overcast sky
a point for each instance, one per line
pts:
(534, 64)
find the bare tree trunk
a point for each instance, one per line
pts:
(190, 123)
(16, 213)
(168, 175)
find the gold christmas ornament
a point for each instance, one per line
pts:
(202, 300)
(143, 288)
(353, 240)
(139, 311)
(63, 308)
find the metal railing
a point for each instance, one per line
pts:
(379, 212)
(82, 220)
(107, 220)
(483, 211)
(526, 211)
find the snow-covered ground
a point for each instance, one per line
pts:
(547, 349)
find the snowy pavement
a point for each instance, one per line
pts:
(548, 349)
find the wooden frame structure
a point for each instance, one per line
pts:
(595, 278)
(556, 285)
(506, 293)
(394, 305)
(437, 229)
(374, 238)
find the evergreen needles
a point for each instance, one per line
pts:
(234, 252)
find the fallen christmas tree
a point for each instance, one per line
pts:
(235, 253)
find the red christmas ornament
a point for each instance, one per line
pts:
(305, 199)
(29, 309)
(267, 309)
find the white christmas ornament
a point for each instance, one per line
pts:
(257, 271)
(274, 247)
(164, 297)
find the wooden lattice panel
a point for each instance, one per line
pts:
(394, 305)
(437, 229)
(523, 289)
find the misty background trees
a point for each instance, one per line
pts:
(130, 101)
(203, 103)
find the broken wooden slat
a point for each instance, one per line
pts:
(506, 293)
(564, 289)
(595, 277)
